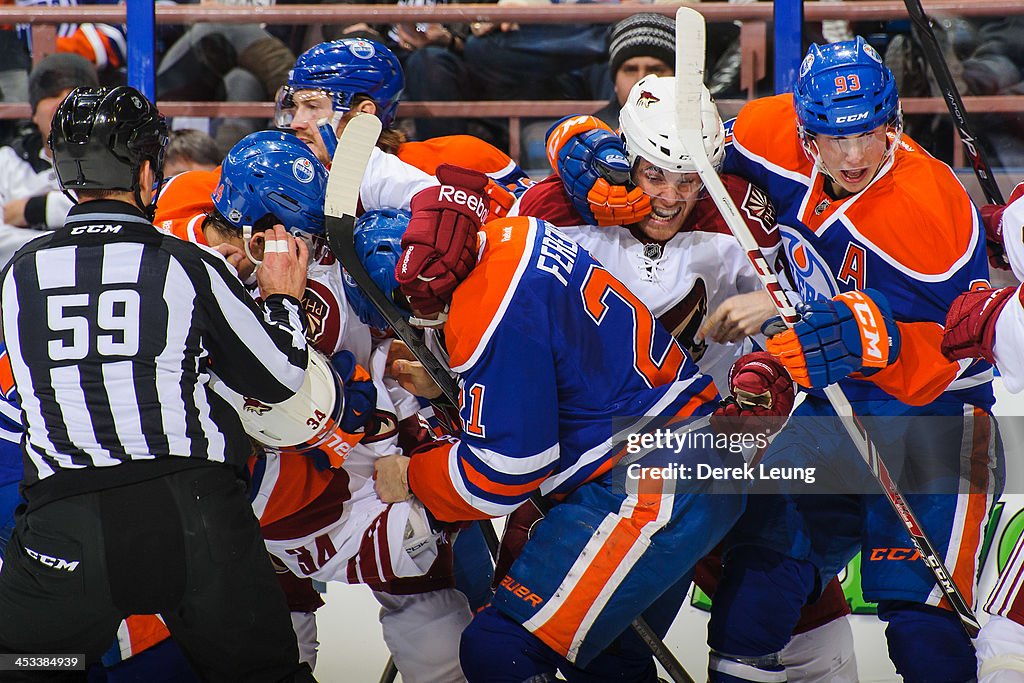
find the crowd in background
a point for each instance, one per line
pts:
(460, 62)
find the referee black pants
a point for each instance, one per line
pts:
(186, 546)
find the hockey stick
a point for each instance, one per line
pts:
(933, 53)
(347, 167)
(348, 164)
(944, 79)
(689, 80)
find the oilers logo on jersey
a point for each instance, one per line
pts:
(811, 275)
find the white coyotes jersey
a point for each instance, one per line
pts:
(333, 324)
(356, 538)
(1010, 324)
(390, 183)
(684, 279)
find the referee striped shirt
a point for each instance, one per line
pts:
(113, 329)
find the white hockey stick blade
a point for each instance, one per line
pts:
(690, 48)
(349, 163)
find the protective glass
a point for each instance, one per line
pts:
(670, 186)
(306, 104)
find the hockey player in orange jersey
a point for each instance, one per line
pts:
(880, 237)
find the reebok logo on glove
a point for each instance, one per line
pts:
(470, 201)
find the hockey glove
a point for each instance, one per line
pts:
(440, 244)
(971, 324)
(854, 332)
(360, 393)
(591, 161)
(762, 396)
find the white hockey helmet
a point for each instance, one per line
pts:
(306, 419)
(648, 124)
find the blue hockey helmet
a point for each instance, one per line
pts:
(378, 242)
(272, 173)
(343, 69)
(845, 89)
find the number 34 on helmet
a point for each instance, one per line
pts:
(308, 420)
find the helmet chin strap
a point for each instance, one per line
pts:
(429, 323)
(246, 238)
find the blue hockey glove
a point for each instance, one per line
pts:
(360, 393)
(854, 332)
(591, 161)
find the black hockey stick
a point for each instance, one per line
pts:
(355, 145)
(347, 167)
(689, 79)
(955, 104)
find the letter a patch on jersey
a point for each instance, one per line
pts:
(852, 270)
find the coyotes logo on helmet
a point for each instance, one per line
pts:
(253, 406)
(646, 99)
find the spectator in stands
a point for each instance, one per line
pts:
(225, 62)
(505, 61)
(191, 150)
(639, 45)
(996, 67)
(29, 191)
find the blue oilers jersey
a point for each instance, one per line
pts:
(556, 357)
(912, 234)
(11, 427)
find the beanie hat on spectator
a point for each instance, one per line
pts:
(57, 73)
(642, 35)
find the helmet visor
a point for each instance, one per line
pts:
(292, 105)
(866, 145)
(671, 186)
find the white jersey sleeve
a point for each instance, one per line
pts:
(1010, 324)
(390, 183)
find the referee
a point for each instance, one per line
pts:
(131, 463)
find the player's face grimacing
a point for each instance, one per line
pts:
(673, 196)
(852, 161)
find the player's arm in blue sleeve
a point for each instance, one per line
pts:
(509, 441)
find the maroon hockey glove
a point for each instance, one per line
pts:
(762, 396)
(971, 324)
(439, 246)
(992, 219)
(518, 529)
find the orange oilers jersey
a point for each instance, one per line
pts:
(526, 330)
(912, 234)
(461, 150)
(184, 201)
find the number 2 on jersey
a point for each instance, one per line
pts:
(600, 291)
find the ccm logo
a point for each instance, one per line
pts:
(852, 117)
(870, 334)
(470, 201)
(94, 229)
(55, 562)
